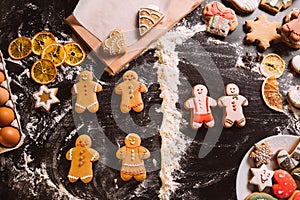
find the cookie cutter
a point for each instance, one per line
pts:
(11, 104)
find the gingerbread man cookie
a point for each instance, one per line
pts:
(233, 103)
(131, 90)
(290, 31)
(200, 107)
(133, 156)
(85, 91)
(82, 157)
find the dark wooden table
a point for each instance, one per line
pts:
(38, 169)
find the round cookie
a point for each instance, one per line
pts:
(295, 64)
(245, 6)
(293, 97)
(259, 196)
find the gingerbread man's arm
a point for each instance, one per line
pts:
(144, 153)
(69, 154)
(221, 101)
(98, 87)
(95, 155)
(121, 153)
(118, 89)
(245, 101)
(212, 102)
(142, 87)
(188, 104)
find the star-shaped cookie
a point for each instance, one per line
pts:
(262, 31)
(45, 97)
(262, 177)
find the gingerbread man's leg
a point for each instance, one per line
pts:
(79, 108)
(228, 123)
(138, 107)
(241, 122)
(86, 179)
(196, 125)
(72, 179)
(94, 107)
(125, 177)
(210, 124)
(140, 177)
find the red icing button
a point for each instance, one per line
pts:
(284, 185)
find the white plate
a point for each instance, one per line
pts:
(243, 189)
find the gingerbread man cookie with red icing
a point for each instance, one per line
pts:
(233, 103)
(85, 90)
(131, 90)
(200, 105)
(133, 156)
(82, 156)
(290, 31)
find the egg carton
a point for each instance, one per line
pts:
(11, 104)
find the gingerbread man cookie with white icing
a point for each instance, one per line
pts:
(82, 157)
(85, 90)
(133, 156)
(200, 105)
(233, 103)
(131, 90)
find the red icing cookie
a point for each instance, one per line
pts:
(284, 185)
(295, 196)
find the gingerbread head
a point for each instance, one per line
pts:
(200, 91)
(232, 89)
(85, 76)
(132, 140)
(130, 76)
(83, 141)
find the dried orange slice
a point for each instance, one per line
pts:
(20, 48)
(272, 65)
(43, 71)
(271, 95)
(41, 40)
(75, 54)
(55, 53)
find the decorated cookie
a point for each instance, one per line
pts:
(289, 160)
(295, 195)
(275, 6)
(82, 156)
(45, 98)
(284, 185)
(148, 18)
(293, 97)
(262, 177)
(115, 44)
(272, 65)
(290, 31)
(233, 103)
(219, 19)
(200, 105)
(133, 156)
(85, 90)
(131, 90)
(262, 31)
(261, 153)
(259, 196)
(296, 173)
(295, 64)
(245, 6)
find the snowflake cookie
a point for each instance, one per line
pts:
(45, 97)
(262, 31)
(261, 153)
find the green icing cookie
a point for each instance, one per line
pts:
(260, 196)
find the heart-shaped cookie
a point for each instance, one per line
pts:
(284, 185)
(115, 44)
(289, 160)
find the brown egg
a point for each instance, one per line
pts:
(2, 77)
(9, 136)
(4, 96)
(7, 116)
